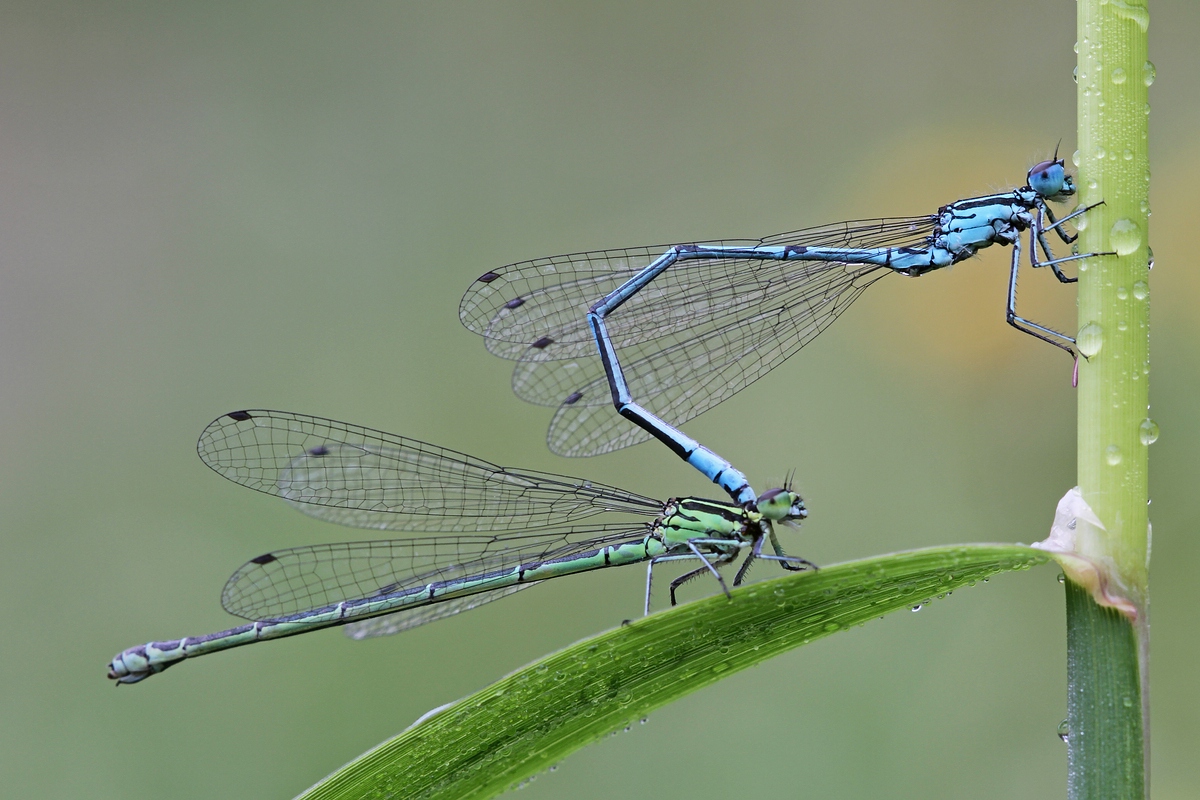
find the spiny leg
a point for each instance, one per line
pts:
(1024, 325)
(710, 566)
(1037, 234)
(684, 578)
(755, 552)
(790, 563)
(1057, 223)
(721, 559)
(650, 574)
(1038, 231)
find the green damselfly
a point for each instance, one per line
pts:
(499, 530)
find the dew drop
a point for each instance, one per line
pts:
(1064, 730)
(1118, 76)
(1125, 236)
(918, 607)
(1090, 340)
(1149, 258)
(1122, 325)
(1141, 290)
(1062, 578)
(1100, 154)
(1075, 74)
(1127, 701)
(1137, 13)
(1144, 206)
(1127, 155)
(1148, 432)
(1112, 454)
(1122, 293)
(1075, 158)
(1081, 222)
(1076, 48)
(1148, 73)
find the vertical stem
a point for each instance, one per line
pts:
(1114, 428)
(1104, 743)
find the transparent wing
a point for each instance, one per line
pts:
(698, 333)
(527, 303)
(679, 380)
(365, 478)
(302, 579)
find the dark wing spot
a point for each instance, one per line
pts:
(487, 277)
(319, 450)
(543, 343)
(572, 398)
(266, 558)
(516, 302)
(239, 416)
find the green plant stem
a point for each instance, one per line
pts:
(1102, 701)
(1113, 78)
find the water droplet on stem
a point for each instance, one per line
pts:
(1090, 339)
(1112, 454)
(1125, 236)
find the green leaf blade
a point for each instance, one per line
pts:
(535, 717)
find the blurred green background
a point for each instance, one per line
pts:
(211, 206)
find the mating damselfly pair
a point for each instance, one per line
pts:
(696, 323)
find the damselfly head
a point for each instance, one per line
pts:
(781, 505)
(1050, 180)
